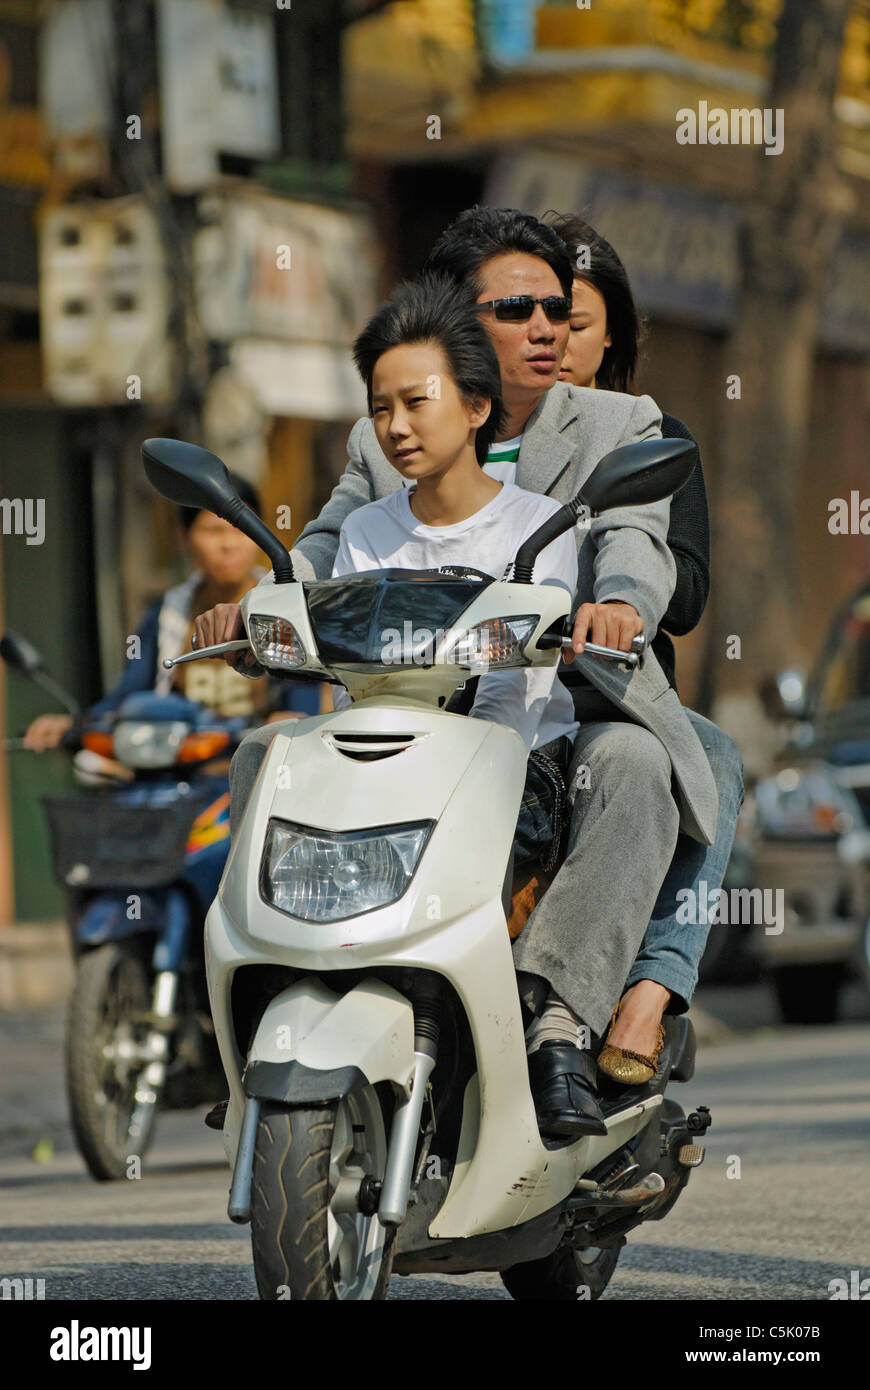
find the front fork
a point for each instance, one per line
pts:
(155, 1051)
(169, 956)
(393, 1203)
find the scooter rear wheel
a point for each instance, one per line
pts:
(562, 1276)
(309, 1239)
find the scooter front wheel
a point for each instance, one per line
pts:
(310, 1241)
(107, 1027)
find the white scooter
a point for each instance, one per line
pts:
(359, 965)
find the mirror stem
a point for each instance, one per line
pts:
(555, 525)
(247, 521)
(58, 693)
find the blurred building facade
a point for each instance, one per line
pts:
(184, 255)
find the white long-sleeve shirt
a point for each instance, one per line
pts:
(386, 534)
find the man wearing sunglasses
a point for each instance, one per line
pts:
(636, 783)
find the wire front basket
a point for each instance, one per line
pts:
(99, 842)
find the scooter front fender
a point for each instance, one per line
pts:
(306, 1035)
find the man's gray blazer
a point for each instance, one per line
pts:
(622, 554)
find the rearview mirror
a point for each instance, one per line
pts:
(626, 477)
(188, 475)
(19, 654)
(637, 473)
(193, 477)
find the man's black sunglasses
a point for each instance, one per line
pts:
(516, 308)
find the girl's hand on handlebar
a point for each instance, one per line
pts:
(223, 623)
(608, 624)
(47, 732)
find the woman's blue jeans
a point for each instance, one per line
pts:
(671, 950)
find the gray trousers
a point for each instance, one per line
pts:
(582, 938)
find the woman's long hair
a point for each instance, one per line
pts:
(606, 273)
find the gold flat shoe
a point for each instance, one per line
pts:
(627, 1067)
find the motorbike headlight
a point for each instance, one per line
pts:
(276, 642)
(493, 645)
(142, 744)
(319, 876)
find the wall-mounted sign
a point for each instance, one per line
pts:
(274, 268)
(76, 75)
(274, 275)
(218, 88)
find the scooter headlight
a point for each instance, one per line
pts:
(319, 876)
(494, 645)
(276, 643)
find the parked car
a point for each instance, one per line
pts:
(810, 826)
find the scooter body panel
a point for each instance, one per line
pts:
(467, 775)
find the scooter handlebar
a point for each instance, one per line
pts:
(631, 658)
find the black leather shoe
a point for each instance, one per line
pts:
(563, 1088)
(217, 1115)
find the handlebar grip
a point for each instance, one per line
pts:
(632, 658)
(71, 739)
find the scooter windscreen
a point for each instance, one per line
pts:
(386, 617)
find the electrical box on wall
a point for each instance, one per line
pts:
(104, 303)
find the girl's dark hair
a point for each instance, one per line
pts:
(248, 493)
(435, 309)
(608, 276)
(479, 233)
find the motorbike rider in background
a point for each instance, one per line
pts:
(224, 569)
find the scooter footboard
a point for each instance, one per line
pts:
(313, 1045)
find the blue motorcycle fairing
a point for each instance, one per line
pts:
(150, 708)
(171, 949)
(112, 916)
(165, 789)
(203, 869)
(145, 707)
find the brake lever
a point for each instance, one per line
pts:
(632, 659)
(241, 644)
